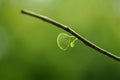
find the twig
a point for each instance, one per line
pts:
(69, 30)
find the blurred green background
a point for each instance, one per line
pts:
(28, 48)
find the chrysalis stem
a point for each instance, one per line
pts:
(71, 31)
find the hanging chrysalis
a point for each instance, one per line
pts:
(64, 41)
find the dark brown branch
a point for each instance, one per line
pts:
(68, 29)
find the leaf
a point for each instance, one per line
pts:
(63, 41)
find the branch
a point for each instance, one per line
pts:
(71, 31)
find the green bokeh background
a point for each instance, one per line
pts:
(28, 48)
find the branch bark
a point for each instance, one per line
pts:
(71, 31)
